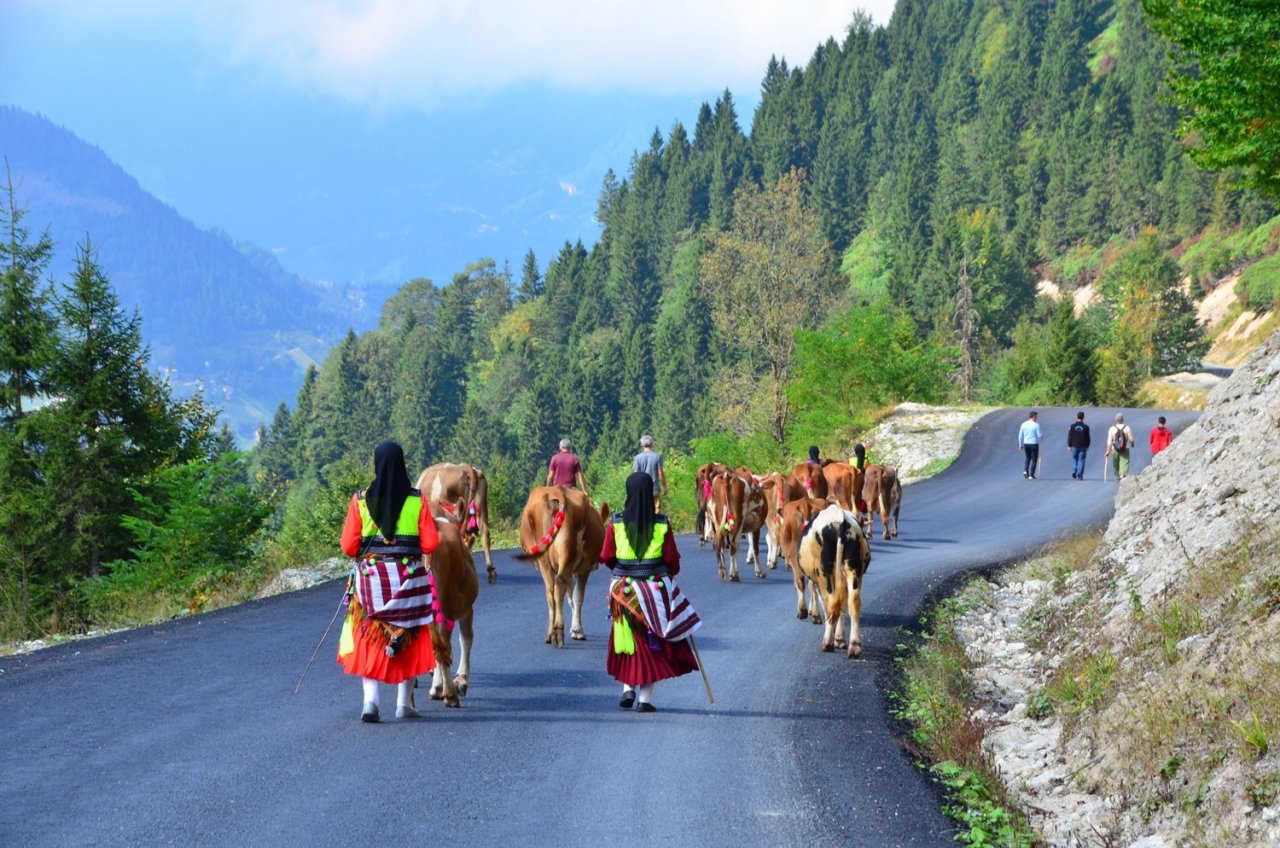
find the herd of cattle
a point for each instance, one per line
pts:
(818, 518)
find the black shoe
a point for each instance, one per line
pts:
(646, 707)
(628, 699)
(1025, 475)
(370, 713)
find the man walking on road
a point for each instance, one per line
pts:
(565, 469)
(1029, 444)
(1078, 444)
(650, 462)
(1119, 440)
(1160, 437)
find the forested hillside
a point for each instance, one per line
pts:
(876, 235)
(218, 316)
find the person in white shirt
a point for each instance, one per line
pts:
(1029, 444)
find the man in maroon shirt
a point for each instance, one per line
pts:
(564, 468)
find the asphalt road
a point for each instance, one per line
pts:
(188, 733)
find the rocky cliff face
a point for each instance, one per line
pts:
(1132, 697)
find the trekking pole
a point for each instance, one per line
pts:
(322, 638)
(697, 656)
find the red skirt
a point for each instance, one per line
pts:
(369, 655)
(646, 665)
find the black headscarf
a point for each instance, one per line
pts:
(637, 513)
(813, 453)
(386, 494)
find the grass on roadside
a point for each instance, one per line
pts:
(935, 698)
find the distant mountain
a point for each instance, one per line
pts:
(219, 316)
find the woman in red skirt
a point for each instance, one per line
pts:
(388, 531)
(652, 620)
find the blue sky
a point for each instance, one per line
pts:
(377, 140)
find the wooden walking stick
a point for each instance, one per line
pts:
(697, 656)
(322, 638)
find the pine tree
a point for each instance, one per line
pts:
(530, 279)
(26, 317)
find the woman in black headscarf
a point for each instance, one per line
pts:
(652, 620)
(388, 530)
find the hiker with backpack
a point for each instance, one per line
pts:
(1119, 441)
(1078, 444)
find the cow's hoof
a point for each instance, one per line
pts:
(855, 650)
(734, 578)
(802, 614)
(452, 703)
(437, 694)
(492, 574)
(460, 683)
(580, 635)
(761, 574)
(826, 649)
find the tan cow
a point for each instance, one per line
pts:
(882, 492)
(844, 484)
(778, 489)
(456, 587)
(465, 485)
(701, 490)
(835, 554)
(811, 478)
(562, 532)
(735, 508)
(793, 523)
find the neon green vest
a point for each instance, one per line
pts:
(650, 560)
(406, 541)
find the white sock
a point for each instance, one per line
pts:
(370, 690)
(645, 693)
(404, 693)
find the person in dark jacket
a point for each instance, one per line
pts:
(1078, 444)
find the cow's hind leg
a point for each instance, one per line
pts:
(732, 544)
(466, 632)
(443, 648)
(579, 593)
(553, 604)
(855, 608)
(753, 553)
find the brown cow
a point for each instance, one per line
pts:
(456, 587)
(735, 508)
(701, 489)
(811, 478)
(844, 484)
(834, 554)
(778, 489)
(465, 485)
(883, 493)
(563, 533)
(794, 522)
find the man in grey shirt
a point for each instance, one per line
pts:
(650, 462)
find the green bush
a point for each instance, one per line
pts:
(1259, 284)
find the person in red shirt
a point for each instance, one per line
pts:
(1161, 436)
(565, 469)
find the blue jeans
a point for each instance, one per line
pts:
(1077, 461)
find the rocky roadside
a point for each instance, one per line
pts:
(1176, 620)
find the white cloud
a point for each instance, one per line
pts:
(568, 188)
(397, 52)
(487, 228)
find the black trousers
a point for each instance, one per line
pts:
(1031, 455)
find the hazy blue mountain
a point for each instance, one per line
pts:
(221, 316)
